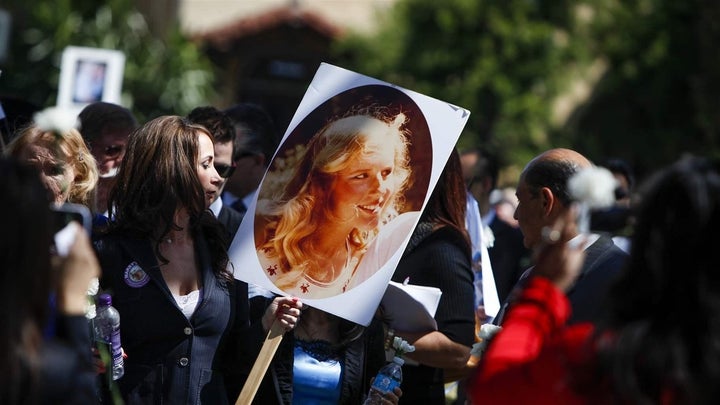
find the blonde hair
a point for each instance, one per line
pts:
(67, 146)
(302, 206)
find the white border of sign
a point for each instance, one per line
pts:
(114, 62)
(445, 122)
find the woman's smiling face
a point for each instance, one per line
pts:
(364, 186)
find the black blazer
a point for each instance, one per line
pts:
(231, 219)
(603, 263)
(440, 260)
(172, 359)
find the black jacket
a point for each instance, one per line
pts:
(172, 359)
(440, 260)
(230, 219)
(603, 262)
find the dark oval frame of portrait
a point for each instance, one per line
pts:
(368, 97)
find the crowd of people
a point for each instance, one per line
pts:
(598, 315)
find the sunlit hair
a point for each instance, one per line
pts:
(68, 148)
(304, 202)
(157, 177)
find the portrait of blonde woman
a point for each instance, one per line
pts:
(348, 184)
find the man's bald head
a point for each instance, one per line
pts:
(543, 193)
(553, 169)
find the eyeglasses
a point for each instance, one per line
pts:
(225, 171)
(107, 152)
(113, 151)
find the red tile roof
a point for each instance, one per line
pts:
(254, 24)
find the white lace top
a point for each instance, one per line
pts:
(188, 303)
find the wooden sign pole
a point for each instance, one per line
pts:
(267, 352)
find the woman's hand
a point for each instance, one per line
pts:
(285, 309)
(75, 272)
(560, 262)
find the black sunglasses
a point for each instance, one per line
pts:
(225, 171)
(113, 151)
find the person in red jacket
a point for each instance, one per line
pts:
(657, 341)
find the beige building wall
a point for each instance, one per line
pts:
(197, 16)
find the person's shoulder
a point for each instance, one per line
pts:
(112, 247)
(105, 241)
(230, 218)
(450, 235)
(606, 244)
(604, 254)
(444, 245)
(228, 210)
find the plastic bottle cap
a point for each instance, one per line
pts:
(105, 299)
(398, 360)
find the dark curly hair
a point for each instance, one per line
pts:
(662, 330)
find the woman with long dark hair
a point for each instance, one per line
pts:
(183, 316)
(438, 255)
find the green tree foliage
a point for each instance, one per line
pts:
(655, 94)
(162, 75)
(660, 96)
(500, 59)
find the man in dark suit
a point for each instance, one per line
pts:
(221, 128)
(256, 140)
(543, 196)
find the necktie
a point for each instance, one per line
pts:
(239, 206)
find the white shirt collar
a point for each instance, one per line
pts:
(590, 238)
(216, 206)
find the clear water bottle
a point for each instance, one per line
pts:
(389, 377)
(106, 328)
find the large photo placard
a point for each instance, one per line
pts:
(344, 192)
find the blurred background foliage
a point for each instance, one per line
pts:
(635, 79)
(164, 74)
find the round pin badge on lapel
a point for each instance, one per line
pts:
(135, 276)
